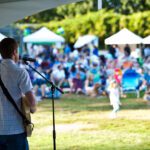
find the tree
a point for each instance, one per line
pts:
(72, 10)
(127, 6)
(111, 4)
(131, 6)
(62, 12)
(76, 9)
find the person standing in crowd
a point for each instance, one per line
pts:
(127, 50)
(114, 97)
(146, 51)
(112, 51)
(117, 51)
(95, 50)
(67, 49)
(17, 82)
(135, 54)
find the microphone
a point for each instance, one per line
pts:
(28, 59)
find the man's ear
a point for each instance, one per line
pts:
(15, 52)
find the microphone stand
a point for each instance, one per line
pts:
(53, 88)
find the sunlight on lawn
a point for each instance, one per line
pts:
(83, 123)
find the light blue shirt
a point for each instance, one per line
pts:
(17, 82)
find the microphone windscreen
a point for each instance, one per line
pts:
(28, 59)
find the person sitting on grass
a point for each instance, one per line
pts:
(58, 76)
(78, 84)
(39, 83)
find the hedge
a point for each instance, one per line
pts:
(102, 23)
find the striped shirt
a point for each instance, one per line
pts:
(17, 81)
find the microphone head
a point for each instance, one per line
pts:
(25, 58)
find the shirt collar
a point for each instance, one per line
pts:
(8, 61)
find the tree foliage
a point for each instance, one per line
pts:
(131, 6)
(62, 12)
(102, 23)
(83, 18)
(84, 7)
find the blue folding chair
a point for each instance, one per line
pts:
(131, 82)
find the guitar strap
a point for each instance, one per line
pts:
(9, 97)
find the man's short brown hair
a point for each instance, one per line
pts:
(7, 47)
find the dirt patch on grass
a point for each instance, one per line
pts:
(74, 127)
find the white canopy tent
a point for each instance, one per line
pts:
(146, 40)
(2, 36)
(124, 36)
(43, 35)
(86, 39)
(13, 10)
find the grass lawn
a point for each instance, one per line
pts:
(83, 123)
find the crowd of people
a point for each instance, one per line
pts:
(86, 70)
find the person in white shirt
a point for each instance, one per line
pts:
(58, 76)
(18, 83)
(135, 54)
(114, 97)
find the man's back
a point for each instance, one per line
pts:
(16, 81)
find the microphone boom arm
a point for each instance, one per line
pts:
(53, 87)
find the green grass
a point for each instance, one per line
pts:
(83, 123)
